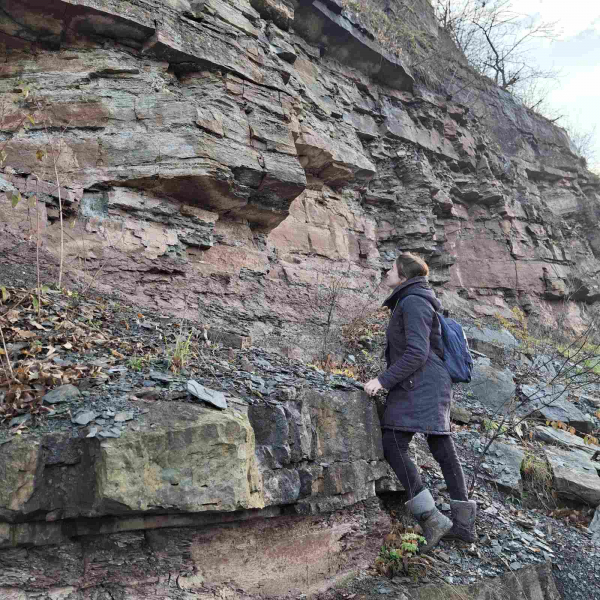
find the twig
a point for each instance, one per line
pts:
(60, 214)
(10, 369)
(37, 256)
(101, 267)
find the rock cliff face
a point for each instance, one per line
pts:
(241, 154)
(227, 161)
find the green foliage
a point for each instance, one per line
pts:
(489, 425)
(537, 478)
(536, 469)
(393, 560)
(585, 352)
(519, 328)
(136, 363)
(14, 198)
(180, 355)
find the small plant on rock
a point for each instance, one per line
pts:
(393, 560)
(136, 363)
(489, 425)
(537, 476)
(181, 353)
(536, 469)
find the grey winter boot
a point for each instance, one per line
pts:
(463, 517)
(433, 523)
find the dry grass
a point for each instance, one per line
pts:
(392, 29)
(537, 477)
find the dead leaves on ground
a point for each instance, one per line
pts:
(578, 518)
(588, 439)
(38, 328)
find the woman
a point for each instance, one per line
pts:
(419, 396)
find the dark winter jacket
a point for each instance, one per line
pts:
(420, 389)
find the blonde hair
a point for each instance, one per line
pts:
(410, 266)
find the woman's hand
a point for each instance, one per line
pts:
(372, 387)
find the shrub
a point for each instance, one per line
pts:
(393, 560)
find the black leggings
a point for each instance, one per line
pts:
(395, 449)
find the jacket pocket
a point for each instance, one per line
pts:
(413, 381)
(408, 384)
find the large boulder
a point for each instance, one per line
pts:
(494, 388)
(182, 458)
(563, 439)
(192, 460)
(321, 451)
(551, 403)
(576, 477)
(503, 466)
(493, 342)
(316, 453)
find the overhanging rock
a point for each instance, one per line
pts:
(345, 41)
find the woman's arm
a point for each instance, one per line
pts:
(417, 313)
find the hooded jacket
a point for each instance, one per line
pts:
(420, 389)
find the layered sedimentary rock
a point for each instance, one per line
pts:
(316, 453)
(236, 162)
(235, 156)
(276, 497)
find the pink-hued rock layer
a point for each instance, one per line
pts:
(230, 161)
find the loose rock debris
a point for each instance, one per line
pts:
(90, 367)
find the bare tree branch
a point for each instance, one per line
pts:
(495, 39)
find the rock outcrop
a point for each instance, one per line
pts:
(248, 153)
(175, 495)
(316, 453)
(234, 162)
(267, 477)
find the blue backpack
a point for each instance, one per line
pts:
(457, 358)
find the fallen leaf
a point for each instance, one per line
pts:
(37, 325)
(24, 334)
(13, 315)
(67, 346)
(14, 198)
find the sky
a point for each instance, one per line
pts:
(576, 53)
